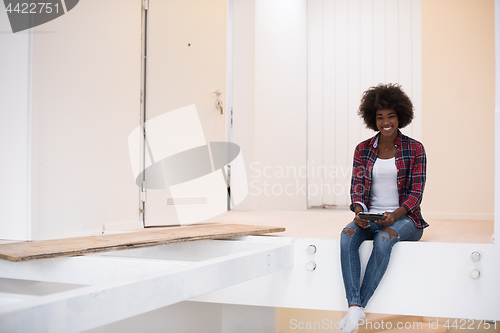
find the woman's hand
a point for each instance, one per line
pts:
(362, 223)
(392, 217)
(389, 220)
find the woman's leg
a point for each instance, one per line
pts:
(350, 240)
(402, 230)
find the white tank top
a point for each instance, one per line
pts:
(384, 193)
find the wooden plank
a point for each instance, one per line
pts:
(66, 247)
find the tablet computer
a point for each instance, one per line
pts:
(372, 216)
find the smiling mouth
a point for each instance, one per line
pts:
(387, 128)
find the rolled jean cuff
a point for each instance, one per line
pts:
(363, 302)
(356, 301)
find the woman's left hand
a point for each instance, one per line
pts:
(389, 220)
(392, 217)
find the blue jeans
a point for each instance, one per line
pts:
(384, 239)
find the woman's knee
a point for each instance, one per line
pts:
(388, 234)
(385, 239)
(406, 230)
(348, 233)
(349, 229)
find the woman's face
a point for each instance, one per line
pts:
(387, 122)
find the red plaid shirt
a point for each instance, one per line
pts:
(411, 164)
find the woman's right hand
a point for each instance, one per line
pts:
(362, 223)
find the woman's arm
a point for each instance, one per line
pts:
(358, 204)
(357, 181)
(418, 177)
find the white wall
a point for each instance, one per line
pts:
(354, 45)
(270, 117)
(15, 131)
(86, 82)
(280, 88)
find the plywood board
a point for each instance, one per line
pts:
(24, 251)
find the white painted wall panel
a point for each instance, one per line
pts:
(15, 126)
(404, 69)
(364, 43)
(329, 99)
(341, 99)
(379, 41)
(86, 88)
(367, 60)
(315, 100)
(354, 89)
(392, 40)
(280, 104)
(416, 63)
